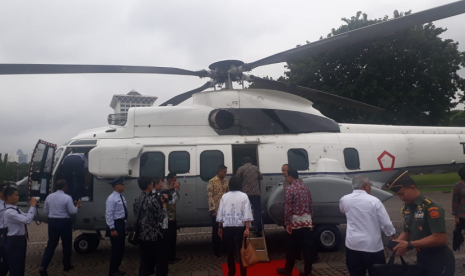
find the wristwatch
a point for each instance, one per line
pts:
(410, 246)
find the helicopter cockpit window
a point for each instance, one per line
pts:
(58, 154)
(152, 164)
(37, 160)
(48, 161)
(298, 159)
(179, 162)
(351, 159)
(210, 160)
(84, 142)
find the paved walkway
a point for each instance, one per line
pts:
(194, 247)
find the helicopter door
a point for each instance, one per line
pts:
(241, 151)
(40, 170)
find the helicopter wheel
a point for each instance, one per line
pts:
(86, 243)
(328, 238)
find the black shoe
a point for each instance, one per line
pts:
(174, 260)
(317, 259)
(282, 271)
(301, 273)
(43, 272)
(68, 268)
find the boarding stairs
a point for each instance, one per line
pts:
(259, 243)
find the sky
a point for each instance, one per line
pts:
(184, 34)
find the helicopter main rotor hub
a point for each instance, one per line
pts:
(221, 72)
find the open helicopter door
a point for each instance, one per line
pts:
(40, 170)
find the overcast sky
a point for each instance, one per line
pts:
(184, 34)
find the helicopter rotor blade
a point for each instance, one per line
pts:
(313, 94)
(186, 95)
(19, 69)
(354, 36)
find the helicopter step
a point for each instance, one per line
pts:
(259, 243)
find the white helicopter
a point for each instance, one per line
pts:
(273, 126)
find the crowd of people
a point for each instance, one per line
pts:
(234, 205)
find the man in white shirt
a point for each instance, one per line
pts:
(366, 216)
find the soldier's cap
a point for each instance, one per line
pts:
(116, 181)
(399, 180)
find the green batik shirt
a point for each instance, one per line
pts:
(422, 218)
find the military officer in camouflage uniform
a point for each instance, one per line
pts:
(424, 227)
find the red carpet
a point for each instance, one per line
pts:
(266, 269)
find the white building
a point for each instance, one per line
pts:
(19, 157)
(22, 158)
(121, 103)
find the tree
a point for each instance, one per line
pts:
(457, 118)
(12, 171)
(411, 73)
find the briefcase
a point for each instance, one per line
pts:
(391, 269)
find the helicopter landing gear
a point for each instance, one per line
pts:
(87, 242)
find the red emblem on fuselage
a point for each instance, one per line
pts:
(382, 161)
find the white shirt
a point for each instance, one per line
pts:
(59, 205)
(234, 209)
(366, 215)
(115, 208)
(17, 221)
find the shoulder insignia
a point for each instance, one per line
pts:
(433, 208)
(427, 201)
(434, 214)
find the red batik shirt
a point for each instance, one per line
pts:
(298, 206)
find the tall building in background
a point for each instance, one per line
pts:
(121, 103)
(22, 158)
(19, 157)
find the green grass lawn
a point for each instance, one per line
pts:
(436, 179)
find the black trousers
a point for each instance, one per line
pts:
(233, 237)
(152, 253)
(216, 240)
(171, 239)
(73, 169)
(117, 245)
(301, 240)
(437, 261)
(16, 246)
(58, 228)
(3, 260)
(359, 262)
(257, 212)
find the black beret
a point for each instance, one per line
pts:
(399, 180)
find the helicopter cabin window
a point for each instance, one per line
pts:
(179, 162)
(351, 159)
(152, 164)
(210, 160)
(298, 159)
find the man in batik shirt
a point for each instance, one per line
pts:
(251, 176)
(216, 188)
(298, 217)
